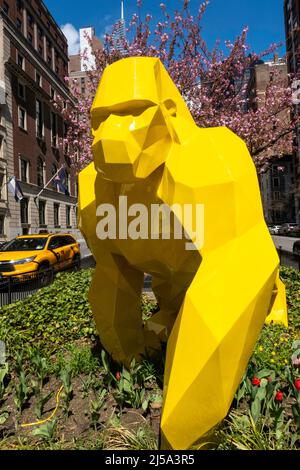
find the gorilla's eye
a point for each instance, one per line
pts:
(96, 121)
(121, 111)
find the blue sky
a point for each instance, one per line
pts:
(224, 19)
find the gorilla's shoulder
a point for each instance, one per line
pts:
(214, 140)
(209, 152)
(221, 135)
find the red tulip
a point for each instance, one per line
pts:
(256, 381)
(279, 396)
(118, 376)
(297, 384)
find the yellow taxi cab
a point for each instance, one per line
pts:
(34, 253)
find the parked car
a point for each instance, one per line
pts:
(37, 253)
(289, 229)
(271, 229)
(274, 229)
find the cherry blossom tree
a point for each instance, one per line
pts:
(212, 82)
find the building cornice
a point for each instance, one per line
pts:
(33, 190)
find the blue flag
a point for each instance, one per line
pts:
(61, 181)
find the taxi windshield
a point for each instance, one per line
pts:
(26, 244)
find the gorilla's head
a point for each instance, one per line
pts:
(132, 116)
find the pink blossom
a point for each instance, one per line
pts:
(210, 80)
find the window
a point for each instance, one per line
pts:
(1, 182)
(29, 19)
(2, 218)
(22, 118)
(24, 210)
(38, 79)
(24, 170)
(53, 172)
(49, 60)
(39, 119)
(68, 240)
(68, 216)
(42, 211)
(76, 188)
(19, 5)
(40, 49)
(56, 70)
(275, 182)
(18, 23)
(21, 90)
(56, 215)
(53, 129)
(30, 38)
(55, 242)
(276, 195)
(67, 183)
(52, 93)
(66, 145)
(40, 32)
(20, 61)
(40, 172)
(5, 8)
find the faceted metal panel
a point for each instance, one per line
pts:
(213, 300)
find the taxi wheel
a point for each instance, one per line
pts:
(45, 275)
(76, 262)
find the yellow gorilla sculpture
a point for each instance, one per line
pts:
(214, 298)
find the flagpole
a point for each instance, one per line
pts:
(35, 198)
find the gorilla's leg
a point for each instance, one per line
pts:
(213, 337)
(169, 292)
(115, 296)
(278, 308)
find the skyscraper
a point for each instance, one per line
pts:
(119, 32)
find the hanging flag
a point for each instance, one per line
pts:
(15, 188)
(62, 182)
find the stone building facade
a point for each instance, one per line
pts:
(33, 66)
(277, 180)
(292, 33)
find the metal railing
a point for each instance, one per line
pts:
(18, 287)
(14, 288)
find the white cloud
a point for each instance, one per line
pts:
(106, 18)
(72, 36)
(107, 30)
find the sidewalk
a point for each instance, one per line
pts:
(285, 243)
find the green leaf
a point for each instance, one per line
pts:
(261, 393)
(4, 417)
(241, 392)
(264, 373)
(255, 409)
